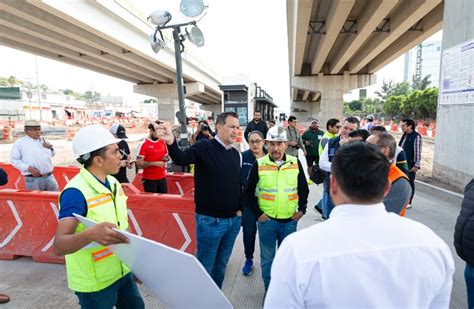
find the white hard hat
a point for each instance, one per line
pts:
(276, 134)
(91, 138)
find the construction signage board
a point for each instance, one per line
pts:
(457, 74)
(176, 277)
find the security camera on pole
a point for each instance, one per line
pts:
(190, 8)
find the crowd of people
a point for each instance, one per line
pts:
(363, 254)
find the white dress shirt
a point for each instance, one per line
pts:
(27, 151)
(362, 257)
(324, 162)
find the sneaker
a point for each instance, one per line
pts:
(248, 267)
(408, 206)
(317, 209)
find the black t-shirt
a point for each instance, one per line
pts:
(124, 152)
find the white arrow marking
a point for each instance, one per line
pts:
(134, 222)
(17, 182)
(66, 178)
(184, 231)
(180, 189)
(18, 226)
(50, 243)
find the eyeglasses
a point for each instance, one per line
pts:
(258, 141)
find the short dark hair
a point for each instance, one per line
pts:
(360, 133)
(361, 170)
(221, 119)
(387, 140)
(256, 132)
(291, 118)
(352, 119)
(96, 153)
(377, 129)
(272, 121)
(257, 111)
(410, 122)
(331, 123)
(152, 127)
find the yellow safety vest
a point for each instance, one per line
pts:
(95, 267)
(277, 188)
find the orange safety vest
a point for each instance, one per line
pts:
(394, 174)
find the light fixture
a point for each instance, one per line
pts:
(160, 18)
(195, 35)
(157, 44)
(191, 8)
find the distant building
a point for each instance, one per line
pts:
(245, 98)
(427, 56)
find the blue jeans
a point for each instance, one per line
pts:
(327, 202)
(123, 293)
(271, 233)
(469, 277)
(215, 239)
(249, 228)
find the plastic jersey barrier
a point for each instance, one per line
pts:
(178, 183)
(29, 221)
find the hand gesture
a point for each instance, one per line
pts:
(164, 132)
(297, 215)
(34, 171)
(263, 218)
(104, 234)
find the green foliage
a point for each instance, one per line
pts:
(419, 83)
(91, 97)
(150, 101)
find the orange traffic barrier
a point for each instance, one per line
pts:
(7, 133)
(178, 183)
(29, 221)
(17, 181)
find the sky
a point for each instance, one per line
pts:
(241, 37)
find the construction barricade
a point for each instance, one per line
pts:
(29, 221)
(178, 183)
(17, 181)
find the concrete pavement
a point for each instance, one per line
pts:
(35, 285)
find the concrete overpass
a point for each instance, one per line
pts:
(110, 38)
(338, 45)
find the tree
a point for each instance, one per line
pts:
(12, 81)
(385, 89)
(392, 106)
(355, 105)
(150, 101)
(372, 106)
(43, 87)
(91, 97)
(419, 83)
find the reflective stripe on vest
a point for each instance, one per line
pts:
(92, 269)
(277, 187)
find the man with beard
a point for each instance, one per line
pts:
(256, 124)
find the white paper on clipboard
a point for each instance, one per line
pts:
(176, 277)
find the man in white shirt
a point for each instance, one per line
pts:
(365, 256)
(32, 156)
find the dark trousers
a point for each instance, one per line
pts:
(123, 293)
(155, 185)
(249, 228)
(411, 177)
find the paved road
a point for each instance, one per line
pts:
(35, 285)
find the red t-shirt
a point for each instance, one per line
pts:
(153, 151)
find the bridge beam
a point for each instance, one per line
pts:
(299, 15)
(407, 14)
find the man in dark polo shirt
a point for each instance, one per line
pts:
(217, 191)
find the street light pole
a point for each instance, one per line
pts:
(181, 114)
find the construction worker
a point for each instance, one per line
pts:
(94, 273)
(281, 198)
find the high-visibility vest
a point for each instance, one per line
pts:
(95, 267)
(394, 174)
(277, 188)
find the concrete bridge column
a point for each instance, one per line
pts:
(332, 89)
